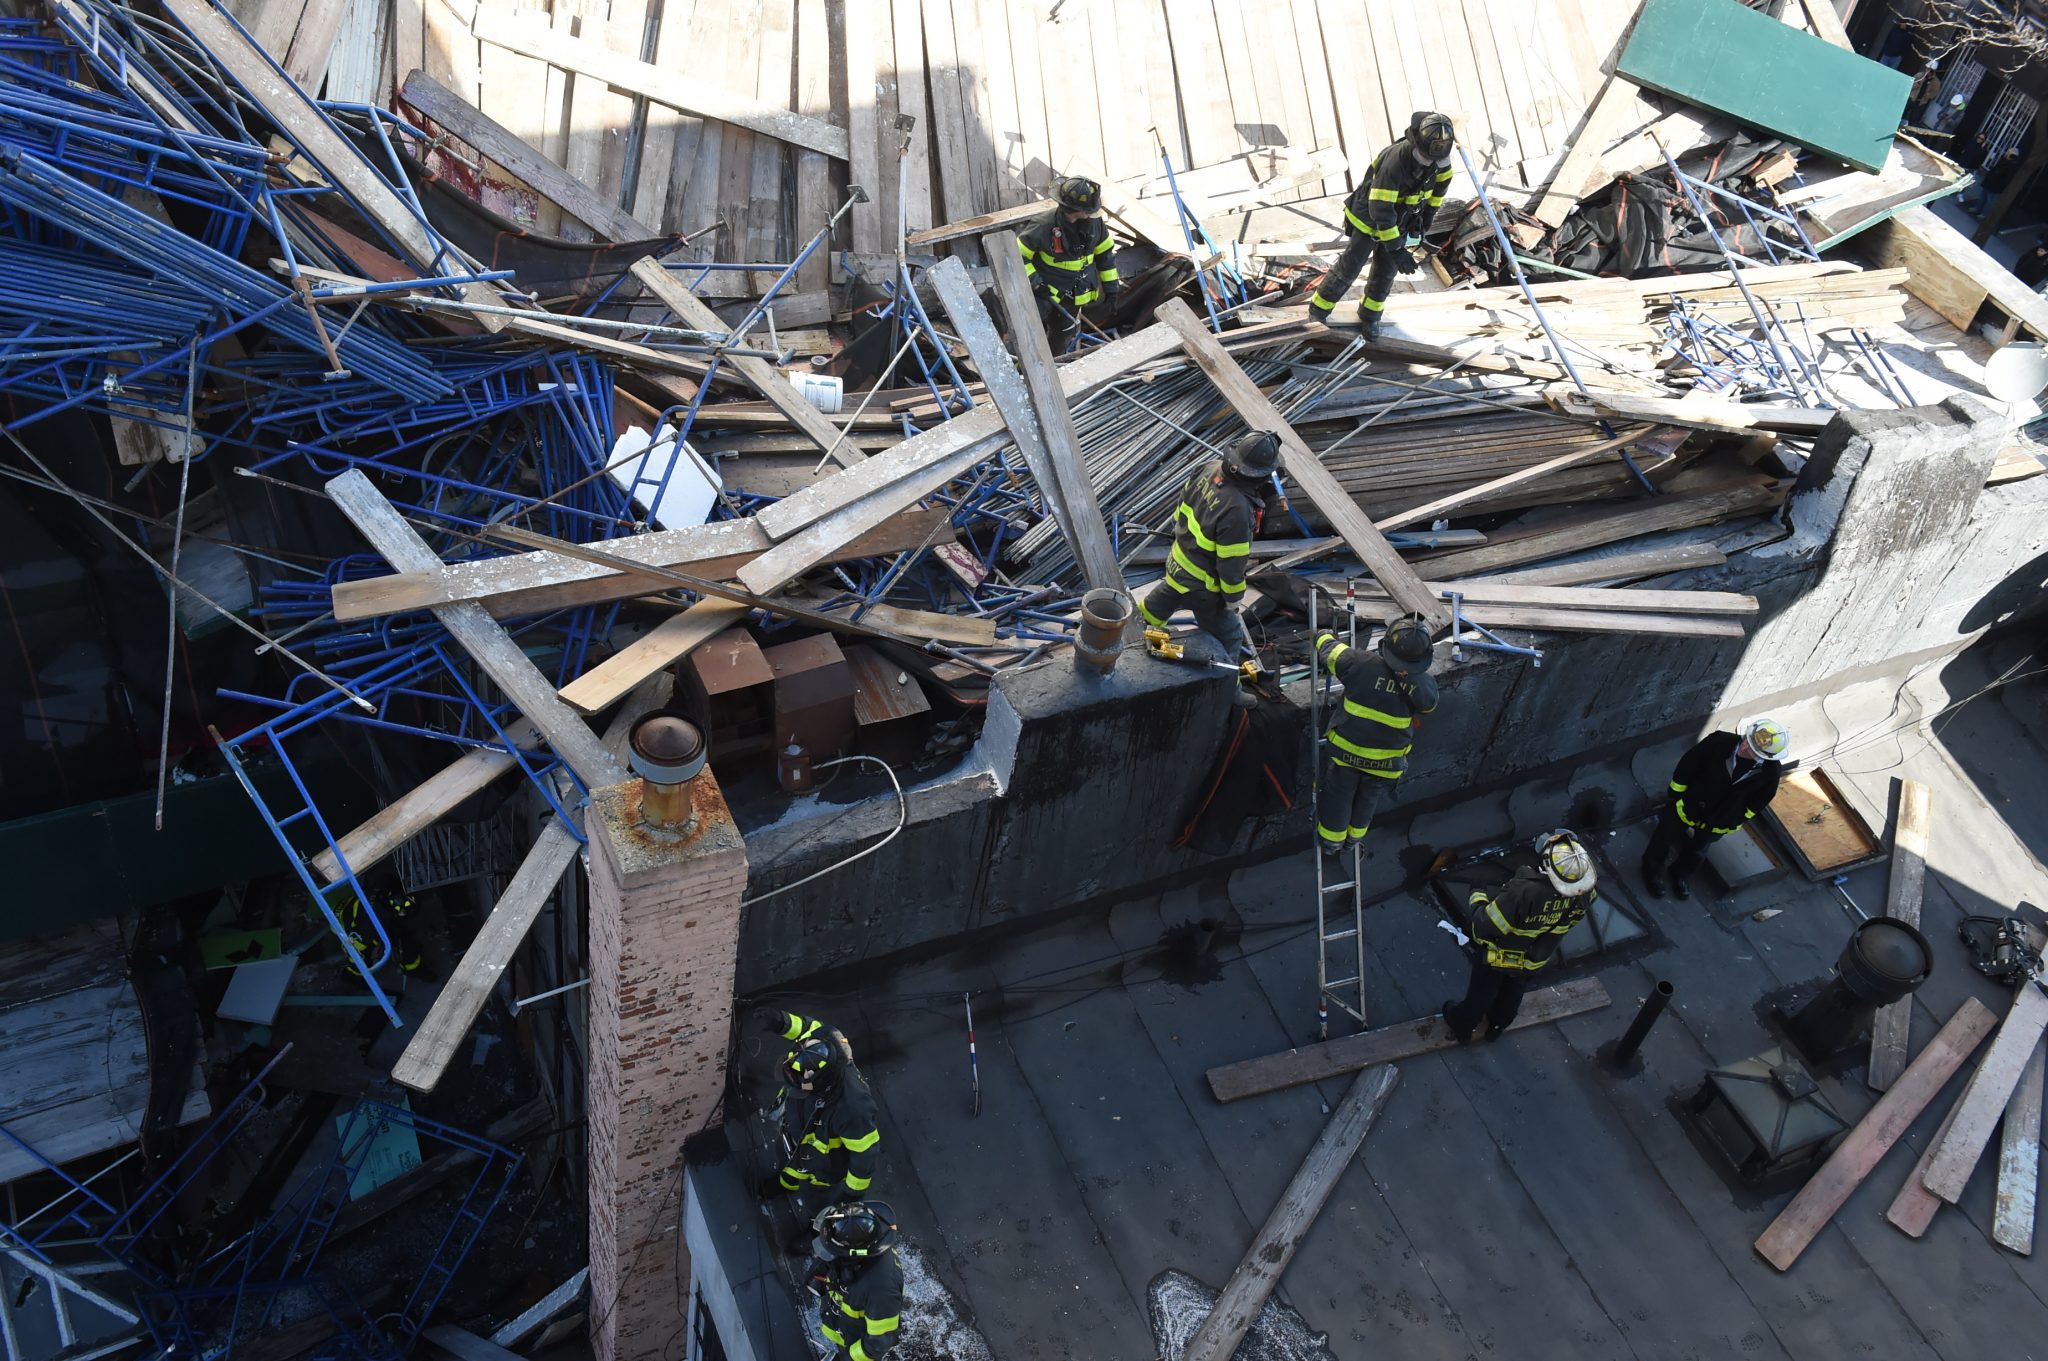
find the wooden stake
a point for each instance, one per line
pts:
(1257, 1275)
(1891, 1033)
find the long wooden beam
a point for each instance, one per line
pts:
(1301, 464)
(585, 57)
(667, 643)
(455, 114)
(292, 109)
(420, 807)
(1827, 1190)
(1084, 524)
(1389, 1044)
(1985, 1099)
(1258, 1274)
(534, 583)
(480, 635)
(760, 375)
(2019, 1159)
(1891, 1032)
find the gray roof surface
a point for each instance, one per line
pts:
(1514, 1200)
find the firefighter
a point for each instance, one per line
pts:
(1371, 734)
(1220, 510)
(1723, 782)
(361, 923)
(858, 1281)
(1385, 216)
(830, 1133)
(1515, 930)
(1070, 259)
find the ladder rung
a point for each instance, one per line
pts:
(1337, 888)
(1340, 983)
(1346, 934)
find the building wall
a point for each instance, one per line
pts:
(1893, 548)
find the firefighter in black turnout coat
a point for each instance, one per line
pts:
(1213, 527)
(1516, 929)
(1386, 216)
(1723, 782)
(858, 1280)
(1070, 259)
(1372, 732)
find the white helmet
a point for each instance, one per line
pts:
(1766, 737)
(1565, 863)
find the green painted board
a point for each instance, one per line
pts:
(1724, 57)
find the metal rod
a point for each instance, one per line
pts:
(1632, 1039)
(163, 743)
(521, 1002)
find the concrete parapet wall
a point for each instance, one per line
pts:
(1894, 549)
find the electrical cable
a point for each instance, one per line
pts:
(902, 819)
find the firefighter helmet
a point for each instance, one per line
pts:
(1431, 136)
(1254, 455)
(859, 1228)
(1565, 863)
(815, 1064)
(1766, 737)
(1077, 194)
(1406, 643)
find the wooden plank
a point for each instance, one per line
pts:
(1361, 115)
(408, 38)
(981, 222)
(662, 646)
(864, 100)
(759, 374)
(1239, 35)
(1622, 599)
(814, 197)
(882, 690)
(359, 55)
(1984, 1100)
(634, 356)
(2019, 1159)
(1080, 510)
(978, 102)
(1204, 84)
(1005, 126)
(692, 199)
(461, 999)
(480, 635)
(437, 102)
(1647, 562)
(774, 42)
(1828, 1189)
(1314, 72)
(271, 23)
(1809, 809)
(419, 808)
(452, 52)
(1028, 82)
(1826, 23)
(1258, 1274)
(587, 58)
(1430, 510)
(618, 112)
(514, 96)
(959, 629)
(1913, 1209)
(290, 107)
(1609, 116)
(464, 1345)
(1695, 411)
(914, 457)
(913, 97)
(1315, 481)
(1951, 273)
(1389, 1044)
(952, 112)
(1891, 1032)
(1583, 621)
(1666, 512)
(663, 122)
(534, 583)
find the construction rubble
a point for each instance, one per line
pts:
(456, 463)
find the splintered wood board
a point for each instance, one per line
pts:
(1826, 834)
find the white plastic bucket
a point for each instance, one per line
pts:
(822, 390)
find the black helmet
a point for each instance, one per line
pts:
(1406, 643)
(815, 1064)
(1431, 136)
(1079, 195)
(859, 1228)
(1255, 455)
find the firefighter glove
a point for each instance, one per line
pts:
(1405, 262)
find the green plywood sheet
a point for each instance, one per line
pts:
(1729, 59)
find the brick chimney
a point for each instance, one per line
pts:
(667, 871)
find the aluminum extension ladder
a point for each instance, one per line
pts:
(1348, 992)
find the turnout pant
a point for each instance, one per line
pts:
(1378, 284)
(1346, 799)
(1493, 995)
(1212, 616)
(1675, 845)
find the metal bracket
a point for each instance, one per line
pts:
(1466, 632)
